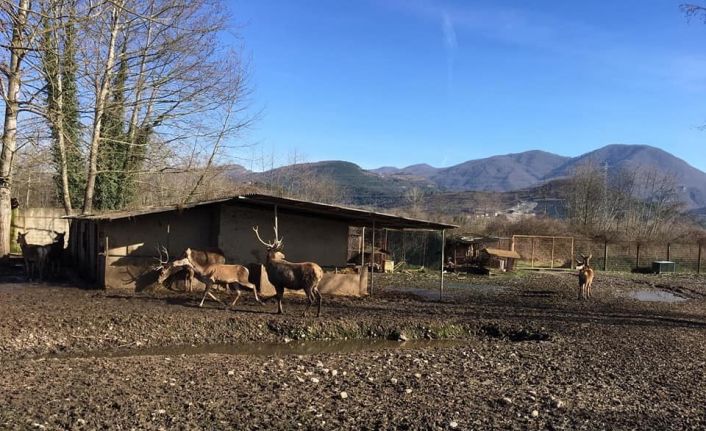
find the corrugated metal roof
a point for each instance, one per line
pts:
(355, 216)
(502, 253)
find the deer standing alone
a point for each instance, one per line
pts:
(35, 256)
(288, 275)
(210, 274)
(586, 274)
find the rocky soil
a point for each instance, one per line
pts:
(528, 355)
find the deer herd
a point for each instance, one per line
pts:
(210, 268)
(39, 258)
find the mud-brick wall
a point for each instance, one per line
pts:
(306, 238)
(39, 224)
(133, 243)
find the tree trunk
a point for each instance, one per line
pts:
(101, 97)
(9, 137)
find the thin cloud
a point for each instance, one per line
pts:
(450, 43)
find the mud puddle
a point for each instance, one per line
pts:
(265, 349)
(650, 295)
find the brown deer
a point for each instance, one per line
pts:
(287, 275)
(586, 274)
(212, 273)
(56, 253)
(208, 256)
(35, 256)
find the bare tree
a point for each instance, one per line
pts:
(15, 19)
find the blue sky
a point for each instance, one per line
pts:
(399, 82)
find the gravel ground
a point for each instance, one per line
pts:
(528, 355)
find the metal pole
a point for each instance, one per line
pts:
(669, 250)
(276, 223)
(532, 264)
(552, 262)
(372, 261)
(573, 254)
(362, 252)
(605, 255)
(441, 280)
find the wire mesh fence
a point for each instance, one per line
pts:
(561, 252)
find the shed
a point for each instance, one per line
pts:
(116, 250)
(504, 260)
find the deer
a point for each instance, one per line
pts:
(210, 274)
(35, 256)
(288, 275)
(56, 253)
(586, 274)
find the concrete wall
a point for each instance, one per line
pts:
(306, 238)
(39, 224)
(132, 243)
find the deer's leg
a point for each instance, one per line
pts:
(237, 296)
(280, 294)
(190, 279)
(318, 298)
(205, 293)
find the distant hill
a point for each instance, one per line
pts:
(499, 173)
(529, 174)
(356, 185)
(615, 157)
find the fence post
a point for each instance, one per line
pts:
(637, 258)
(552, 263)
(698, 265)
(573, 255)
(532, 252)
(669, 250)
(605, 255)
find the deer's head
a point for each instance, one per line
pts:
(585, 263)
(163, 263)
(21, 237)
(59, 237)
(274, 248)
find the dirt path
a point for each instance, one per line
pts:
(530, 356)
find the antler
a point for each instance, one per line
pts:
(277, 243)
(257, 233)
(161, 250)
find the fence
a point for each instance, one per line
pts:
(560, 252)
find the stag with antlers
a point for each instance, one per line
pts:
(288, 275)
(586, 274)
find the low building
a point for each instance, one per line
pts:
(117, 250)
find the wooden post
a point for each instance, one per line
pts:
(372, 260)
(441, 279)
(532, 264)
(698, 265)
(106, 249)
(637, 258)
(573, 254)
(551, 265)
(605, 255)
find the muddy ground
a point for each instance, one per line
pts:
(528, 355)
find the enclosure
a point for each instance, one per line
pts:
(117, 250)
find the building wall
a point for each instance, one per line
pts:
(39, 224)
(133, 243)
(306, 238)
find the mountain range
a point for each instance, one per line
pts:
(387, 186)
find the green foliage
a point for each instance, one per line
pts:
(122, 149)
(59, 63)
